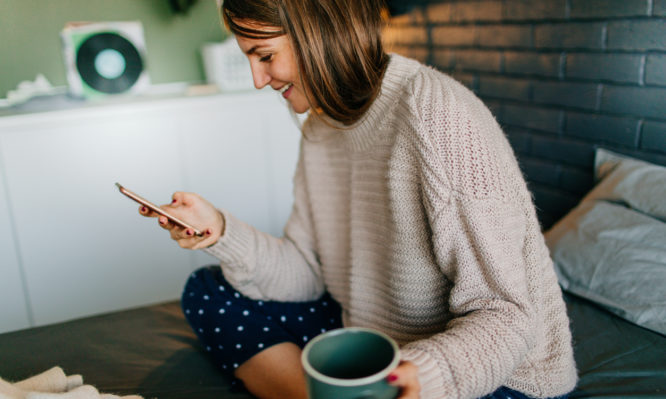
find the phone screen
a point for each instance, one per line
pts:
(157, 209)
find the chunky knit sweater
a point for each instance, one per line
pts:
(418, 221)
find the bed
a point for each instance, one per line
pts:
(619, 341)
(150, 351)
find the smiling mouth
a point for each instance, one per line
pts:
(284, 88)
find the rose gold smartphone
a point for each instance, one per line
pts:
(158, 210)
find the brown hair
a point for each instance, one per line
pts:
(337, 44)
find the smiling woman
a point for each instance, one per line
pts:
(410, 216)
(340, 69)
(273, 63)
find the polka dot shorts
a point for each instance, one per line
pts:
(232, 328)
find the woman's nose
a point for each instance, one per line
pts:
(259, 75)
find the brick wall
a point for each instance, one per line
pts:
(561, 76)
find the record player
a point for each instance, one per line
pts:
(105, 58)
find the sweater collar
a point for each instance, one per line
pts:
(362, 134)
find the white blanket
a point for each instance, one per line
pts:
(53, 384)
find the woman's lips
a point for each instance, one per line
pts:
(287, 92)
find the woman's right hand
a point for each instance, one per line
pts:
(196, 211)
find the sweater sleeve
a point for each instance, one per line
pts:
(475, 201)
(262, 266)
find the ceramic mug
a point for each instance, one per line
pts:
(350, 363)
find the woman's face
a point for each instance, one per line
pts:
(273, 63)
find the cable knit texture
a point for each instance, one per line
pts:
(418, 221)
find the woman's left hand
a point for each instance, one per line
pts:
(405, 376)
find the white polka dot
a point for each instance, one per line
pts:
(260, 345)
(228, 303)
(221, 288)
(246, 312)
(217, 329)
(206, 297)
(305, 338)
(238, 346)
(201, 330)
(187, 311)
(260, 303)
(201, 311)
(312, 310)
(240, 328)
(324, 303)
(283, 318)
(208, 348)
(266, 329)
(222, 311)
(269, 317)
(224, 366)
(235, 365)
(220, 347)
(191, 293)
(237, 295)
(300, 318)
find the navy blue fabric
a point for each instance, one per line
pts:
(506, 393)
(232, 328)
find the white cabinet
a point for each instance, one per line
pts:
(229, 159)
(13, 307)
(84, 249)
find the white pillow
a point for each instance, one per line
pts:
(611, 248)
(639, 184)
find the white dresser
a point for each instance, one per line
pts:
(72, 246)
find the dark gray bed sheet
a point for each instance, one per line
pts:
(149, 351)
(152, 352)
(615, 358)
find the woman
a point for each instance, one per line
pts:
(410, 216)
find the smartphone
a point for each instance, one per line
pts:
(158, 210)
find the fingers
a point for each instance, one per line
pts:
(195, 210)
(405, 376)
(178, 198)
(187, 239)
(144, 211)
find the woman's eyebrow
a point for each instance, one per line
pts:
(254, 48)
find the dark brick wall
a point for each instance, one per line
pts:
(562, 77)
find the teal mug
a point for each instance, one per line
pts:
(350, 363)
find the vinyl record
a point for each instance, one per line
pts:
(109, 63)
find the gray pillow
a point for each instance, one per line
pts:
(641, 185)
(611, 249)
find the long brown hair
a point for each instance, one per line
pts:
(337, 44)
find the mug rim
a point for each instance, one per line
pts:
(353, 381)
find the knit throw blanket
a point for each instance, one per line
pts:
(53, 384)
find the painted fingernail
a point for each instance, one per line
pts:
(392, 377)
(174, 201)
(208, 232)
(144, 209)
(188, 232)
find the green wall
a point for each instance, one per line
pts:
(30, 36)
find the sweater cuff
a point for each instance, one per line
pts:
(435, 382)
(233, 247)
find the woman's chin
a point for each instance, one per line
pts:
(299, 108)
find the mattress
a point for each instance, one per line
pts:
(151, 351)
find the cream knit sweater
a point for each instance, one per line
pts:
(418, 221)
